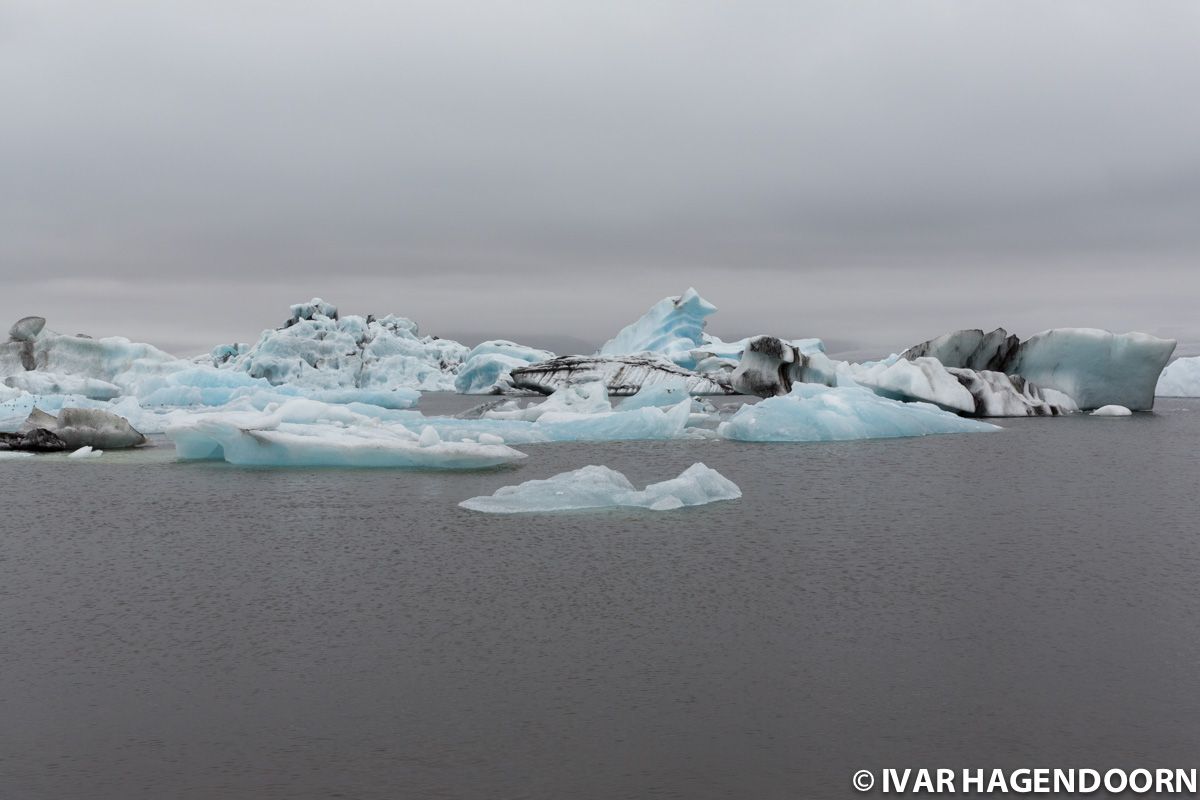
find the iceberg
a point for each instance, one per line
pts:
(1181, 378)
(595, 487)
(316, 348)
(1093, 367)
(87, 451)
(1111, 411)
(672, 328)
(816, 413)
(72, 429)
(488, 368)
(623, 375)
(770, 366)
(974, 393)
(307, 433)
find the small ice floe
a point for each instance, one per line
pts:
(1111, 411)
(600, 487)
(87, 451)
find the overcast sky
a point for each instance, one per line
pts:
(872, 173)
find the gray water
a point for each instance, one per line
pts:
(1020, 599)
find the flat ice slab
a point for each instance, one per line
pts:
(601, 487)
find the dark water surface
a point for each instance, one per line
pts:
(1021, 599)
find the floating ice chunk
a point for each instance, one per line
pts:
(75, 428)
(1095, 367)
(673, 327)
(1111, 410)
(10, 455)
(923, 379)
(815, 413)
(268, 441)
(601, 487)
(1181, 378)
(584, 413)
(86, 452)
(488, 367)
(490, 438)
(581, 398)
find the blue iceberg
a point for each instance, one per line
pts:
(815, 413)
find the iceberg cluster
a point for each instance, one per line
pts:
(325, 388)
(815, 413)
(600, 487)
(1181, 378)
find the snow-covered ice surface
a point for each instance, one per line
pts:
(1112, 411)
(1181, 378)
(813, 413)
(594, 487)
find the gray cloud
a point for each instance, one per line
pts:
(873, 173)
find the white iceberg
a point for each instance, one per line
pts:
(974, 393)
(307, 433)
(815, 413)
(672, 328)
(87, 451)
(1181, 378)
(1112, 411)
(594, 487)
